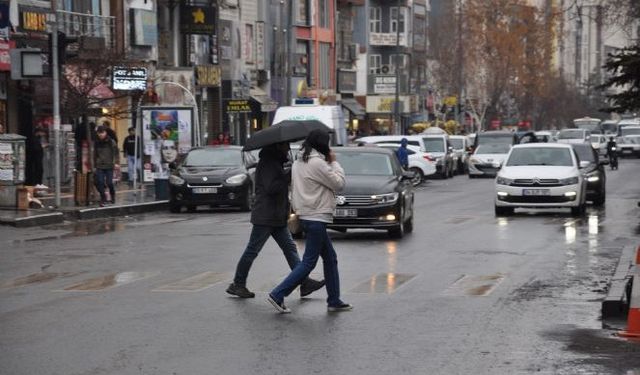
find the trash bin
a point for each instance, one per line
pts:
(83, 183)
(162, 188)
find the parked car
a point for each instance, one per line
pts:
(487, 159)
(495, 136)
(461, 146)
(378, 193)
(434, 147)
(628, 143)
(541, 175)
(545, 136)
(214, 176)
(418, 164)
(570, 136)
(594, 173)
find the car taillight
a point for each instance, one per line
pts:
(428, 157)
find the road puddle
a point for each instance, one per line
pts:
(469, 285)
(383, 283)
(194, 283)
(108, 281)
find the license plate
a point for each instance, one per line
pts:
(345, 212)
(536, 192)
(626, 150)
(205, 190)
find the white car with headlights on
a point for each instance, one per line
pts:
(541, 175)
(487, 159)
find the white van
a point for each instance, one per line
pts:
(330, 115)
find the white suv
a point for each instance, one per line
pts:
(541, 175)
(628, 142)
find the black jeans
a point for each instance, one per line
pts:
(105, 177)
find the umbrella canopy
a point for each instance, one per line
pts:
(285, 131)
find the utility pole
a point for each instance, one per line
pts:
(396, 103)
(56, 100)
(460, 64)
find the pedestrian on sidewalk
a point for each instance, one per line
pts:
(35, 155)
(269, 218)
(316, 177)
(110, 132)
(105, 157)
(129, 150)
(403, 154)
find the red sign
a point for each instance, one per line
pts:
(495, 124)
(5, 58)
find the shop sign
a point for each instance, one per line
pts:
(384, 84)
(197, 19)
(385, 104)
(208, 76)
(347, 81)
(124, 78)
(31, 20)
(260, 45)
(237, 106)
(5, 57)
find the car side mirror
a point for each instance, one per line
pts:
(584, 164)
(450, 149)
(604, 162)
(408, 175)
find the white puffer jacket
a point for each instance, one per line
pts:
(314, 185)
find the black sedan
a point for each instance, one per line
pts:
(214, 176)
(378, 193)
(594, 173)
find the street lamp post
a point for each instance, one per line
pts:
(55, 73)
(396, 106)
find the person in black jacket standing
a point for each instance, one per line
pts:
(269, 218)
(105, 157)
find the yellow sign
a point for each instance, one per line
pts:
(208, 75)
(238, 106)
(451, 101)
(302, 89)
(386, 105)
(198, 16)
(33, 21)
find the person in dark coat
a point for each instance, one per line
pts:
(110, 132)
(35, 155)
(105, 157)
(269, 218)
(403, 154)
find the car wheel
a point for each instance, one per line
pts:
(408, 225)
(503, 211)
(175, 207)
(418, 176)
(248, 200)
(471, 176)
(191, 208)
(601, 198)
(398, 230)
(460, 168)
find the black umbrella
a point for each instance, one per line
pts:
(285, 131)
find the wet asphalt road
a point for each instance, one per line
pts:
(466, 293)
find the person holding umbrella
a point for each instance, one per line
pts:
(316, 177)
(269, 218)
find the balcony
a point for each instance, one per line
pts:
(385, 84)
(88, 25)
(388, 39)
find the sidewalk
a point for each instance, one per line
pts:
(128, 201)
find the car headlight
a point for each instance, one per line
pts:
(175, 180)
(385, 198)
(238, 179)
(503, 181)
(569, 181)
(593, 178)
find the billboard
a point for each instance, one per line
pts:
(167, 132)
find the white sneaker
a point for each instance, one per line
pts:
(41, 186)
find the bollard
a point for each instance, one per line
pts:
(633, 320)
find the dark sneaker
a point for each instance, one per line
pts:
(279, 305)
(341, 307)
(240, 291)
(309, 286)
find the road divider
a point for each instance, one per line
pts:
(633, 317)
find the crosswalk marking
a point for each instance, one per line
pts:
(383, 283)
(195, 283)
(469, 285)
(109, 281)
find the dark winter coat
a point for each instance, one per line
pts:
(271, 207)
(129, 146)
(105, 153)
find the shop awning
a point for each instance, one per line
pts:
(354, 107)
(266, 103)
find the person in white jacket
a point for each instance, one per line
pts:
(316, 177)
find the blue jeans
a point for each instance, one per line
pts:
(318, 244)
(259, 235)
(105, 177)
(132, 167)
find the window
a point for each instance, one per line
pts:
(248, 43)
(397, 60)
(325, 65)
(375, 63)
(302, 14)
(323, 13)
(375, 20)
(395, 23)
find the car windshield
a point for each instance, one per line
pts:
(548, 156)
(630, 131)
(433, 144)
(585, 153)
(456, 143)
(484, 138)
(213, 157)
(493, 148)
(365, 163)
(571, 134)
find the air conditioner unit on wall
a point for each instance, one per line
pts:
(385, 69)
(354, 49)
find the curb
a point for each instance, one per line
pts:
(616, 304)
(34, 220)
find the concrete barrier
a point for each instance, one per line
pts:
(633, 318)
